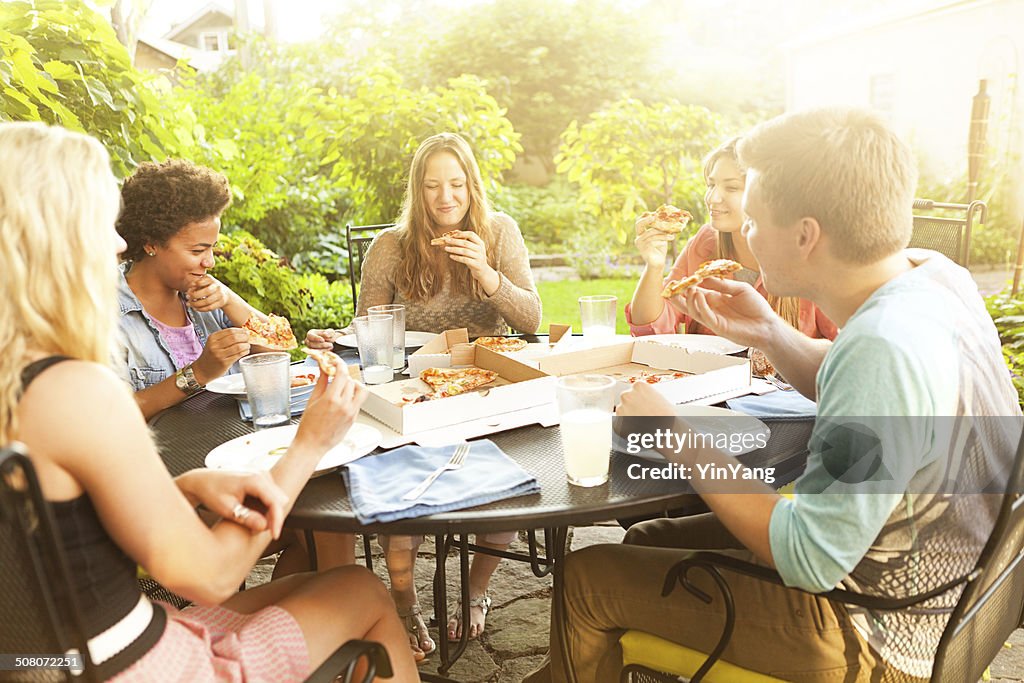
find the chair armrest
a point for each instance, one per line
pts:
(877, 602)
(345, 658)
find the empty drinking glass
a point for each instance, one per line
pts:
(268, 386)
(373, 337)
(397, 311)
(597, 312)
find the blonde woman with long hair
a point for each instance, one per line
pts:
(479, 279)
(721, 237)
(115, 504)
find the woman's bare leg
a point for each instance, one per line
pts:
(401, 564)
(480, 572)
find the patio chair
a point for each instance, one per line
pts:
(948, 233)
(358, 239)
(988, 610)
(39, 613)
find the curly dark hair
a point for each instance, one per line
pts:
(158, 200)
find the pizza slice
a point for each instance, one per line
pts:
(502, 344)
(717, 268)
(666, 218)
(454, 381)
(443, 239)
(325, 359)
(273, 333)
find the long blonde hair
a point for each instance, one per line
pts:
(58, 275)
(788, 307)
(422, 271)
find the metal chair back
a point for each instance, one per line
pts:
(950, 233)
(358, 239)
(38, 610)
(991, 606)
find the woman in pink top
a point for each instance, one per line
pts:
(649, 313)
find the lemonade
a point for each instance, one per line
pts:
(587, 442)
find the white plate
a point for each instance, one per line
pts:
(711, 420)
(256, 451)
(696, 342)
(413, 339)
(234, 385)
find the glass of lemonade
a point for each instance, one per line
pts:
(585, 405)
(597, 314)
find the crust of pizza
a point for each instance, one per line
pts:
(717, 268)
(274, 333)
(666, 218)
(443, 239)
(502, 344)
(323, 359)
(454, 381)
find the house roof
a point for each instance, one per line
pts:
(208, 8)
(198, 59)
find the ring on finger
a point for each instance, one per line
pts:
(240, 512)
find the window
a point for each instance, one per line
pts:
(213, 41)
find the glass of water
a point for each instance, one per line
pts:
(374, 338)
(597, 312)
(268, 386)
(397, 312)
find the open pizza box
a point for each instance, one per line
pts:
(517, 387)
(451, 349)
(680, 375)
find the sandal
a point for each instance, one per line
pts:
(415, 625)
(483, 602)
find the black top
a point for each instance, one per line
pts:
(102, 575)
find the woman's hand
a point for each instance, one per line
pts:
(332, 408)
(467, 247)
(730, 309)
(653, 247)
(322, 339)
(208, 294)
(223, 348)
(224, 494)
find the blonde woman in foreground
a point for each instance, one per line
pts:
(105, 481)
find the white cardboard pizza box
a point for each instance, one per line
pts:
(452, 349)
(518, 387)
(708, 374)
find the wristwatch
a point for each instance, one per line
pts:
(185, 380)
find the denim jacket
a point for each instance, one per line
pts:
(143, 358)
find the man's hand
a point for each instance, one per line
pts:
(730, 309)
(322, 339)
(223, 348)
(643, 400)
(224, 494)
(208, 294)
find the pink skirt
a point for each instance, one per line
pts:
(215, 644)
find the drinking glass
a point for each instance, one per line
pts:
(373, 337)
(597, 313)
(397, 311)
(268, 386)
(585, 404)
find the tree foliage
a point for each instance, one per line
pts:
(61, 63)
(547, 62)
(632, 157)
(370, 136)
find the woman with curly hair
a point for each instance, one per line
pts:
(181, 328)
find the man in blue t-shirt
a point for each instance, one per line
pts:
(907, 440)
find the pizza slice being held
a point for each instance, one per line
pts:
(327, 360)
(443, 239)
(501, 344)
(666, 218)
(454, 381)
(717, 268)
(273, 333)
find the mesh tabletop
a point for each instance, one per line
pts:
(187, 432)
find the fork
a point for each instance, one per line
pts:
(454, 463)
(778, 383)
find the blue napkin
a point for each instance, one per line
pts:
(486, 475)
(779, 404)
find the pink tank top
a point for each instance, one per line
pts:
(183, 342)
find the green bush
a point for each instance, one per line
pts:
(1008, 315)
(263, 279)
(547, 215)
